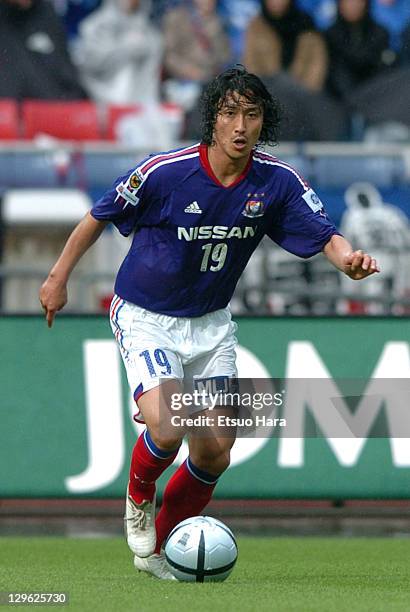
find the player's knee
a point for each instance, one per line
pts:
(222, 462)
(212, 463)
(165, 442)
(163, 436)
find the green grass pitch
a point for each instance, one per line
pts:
(272, 574)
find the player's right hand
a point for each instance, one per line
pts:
(53, 297)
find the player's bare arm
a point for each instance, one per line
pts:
(53, 293)
(355, 264)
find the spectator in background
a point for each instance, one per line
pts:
(383, 228)
(238, 13)
(196, 46)
(283, 39)
(363, 73)
(391, 14)
(358, 48)
(34, 61)
(285, 49)
(120, 53)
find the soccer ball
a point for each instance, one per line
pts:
(201, 549)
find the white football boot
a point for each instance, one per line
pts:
(155, 565)
(140, 526)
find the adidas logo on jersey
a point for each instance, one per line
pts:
(193, 208)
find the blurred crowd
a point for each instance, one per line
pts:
(340, 68)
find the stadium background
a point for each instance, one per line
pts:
(296, 319)
(40, 205)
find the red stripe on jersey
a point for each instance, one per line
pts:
(274, 160)
(267, 156)
(166, 156)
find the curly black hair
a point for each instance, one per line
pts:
(246, 84)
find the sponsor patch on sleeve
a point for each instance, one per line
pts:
(312, 200)
(125, 192)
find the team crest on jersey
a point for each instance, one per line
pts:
(135, 180)
(254, 208)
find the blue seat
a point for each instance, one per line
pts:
(339, 171)
(101, 169)
(300, 163)
(35, 169)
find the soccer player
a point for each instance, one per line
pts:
(196, 214)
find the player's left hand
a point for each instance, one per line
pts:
(358, 265)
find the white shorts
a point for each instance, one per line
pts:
(155, 347)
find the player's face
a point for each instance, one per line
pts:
(238, 126)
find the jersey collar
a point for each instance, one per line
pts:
(203, 156)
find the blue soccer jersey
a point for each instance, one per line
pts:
(193, 236)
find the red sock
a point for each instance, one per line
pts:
(185, 495)
(146, 467)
